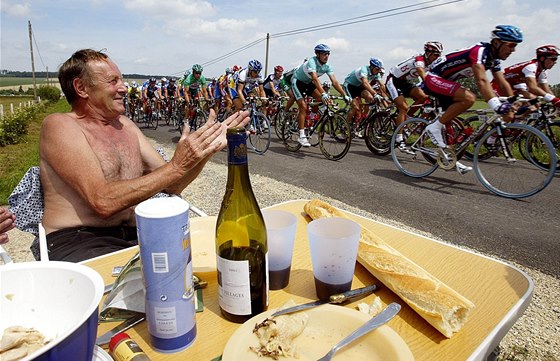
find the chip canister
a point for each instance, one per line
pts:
(165, 250)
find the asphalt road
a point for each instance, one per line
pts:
(452, 207)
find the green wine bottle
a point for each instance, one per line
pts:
(241, 245)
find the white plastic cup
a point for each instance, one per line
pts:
(281, 232)
(165, 251)
(333, 243)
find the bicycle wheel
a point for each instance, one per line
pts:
(379, 132)
(260, 136)
(506, 172)
(334, 136)
(418, 158)
(290, 134)
(279, 121)
(534, 146)
(155, 117)
(199, 119)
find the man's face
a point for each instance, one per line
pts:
(106, 94)
(253, 73)
(197, 74)
(431, 56)
(505, 49)
(323, 56)
(550, 61)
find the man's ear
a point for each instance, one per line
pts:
(80, 87)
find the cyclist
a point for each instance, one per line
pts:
(221, 91)
(358, 85)
(530, 78)
(471, 62)
(195, 84)
(305, 81)
(404, 78)
(149, 92)
(246, 81)
(272, 82)
(134, 93)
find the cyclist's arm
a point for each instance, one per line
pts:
(535, 88)
(367, 86)
(484, 85)
(503, 84)
(421, 72)
(316, 82)
(204, 92)
(240, 87)
(336, 85)
(261, 92)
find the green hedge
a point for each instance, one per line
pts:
(13, 127)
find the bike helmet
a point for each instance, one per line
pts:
(507, 33)
(433, 47)
(279, 68)
(548, 50)
(376, 63)
(322, 48)
(126, 84)
(153, 80)
(236, 68)
(197, 68)
(172, 80)
(229, 71)
(255, 65)
(134, 84)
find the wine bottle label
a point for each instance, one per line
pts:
(237, 145)
(234, 289)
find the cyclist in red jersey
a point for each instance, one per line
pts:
(472, 62)
(530, 78)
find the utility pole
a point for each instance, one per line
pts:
(266, 56)
(32, 61)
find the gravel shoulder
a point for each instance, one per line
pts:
(533, 337)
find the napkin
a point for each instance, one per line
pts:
(128, 294)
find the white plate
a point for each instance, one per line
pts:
(100, 354)
(203, 241)
(327, 325)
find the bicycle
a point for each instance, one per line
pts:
(198, 114)
(259, 127)
(380, 125)
(542, 118)
(502, 169)
(332, 128)
(151, 119)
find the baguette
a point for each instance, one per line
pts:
(444, 308)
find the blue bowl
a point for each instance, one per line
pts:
(58, 299)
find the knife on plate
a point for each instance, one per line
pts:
(334, 299)
(106, 337)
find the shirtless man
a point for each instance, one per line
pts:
(96, 165)
(7, 222)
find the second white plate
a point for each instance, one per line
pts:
(327, 325)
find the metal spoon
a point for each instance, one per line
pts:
(383, 317)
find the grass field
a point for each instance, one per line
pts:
(13, 81)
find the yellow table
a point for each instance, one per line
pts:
(500, 291)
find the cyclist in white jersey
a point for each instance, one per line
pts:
(404, 78)
(247, 81)
(305, 81)
(358, 84)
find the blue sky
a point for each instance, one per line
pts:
(167, 36)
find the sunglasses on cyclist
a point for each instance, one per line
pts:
(325, 53)
(509, 44)
(197, 73)
(553, 59)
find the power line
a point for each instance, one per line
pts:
(37, 47)
(359, 19)
(369, 17)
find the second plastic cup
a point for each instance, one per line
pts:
(281, 232)
(333, 243)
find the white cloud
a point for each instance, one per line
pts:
(171, 8)
(336, 44)
(16, 10)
